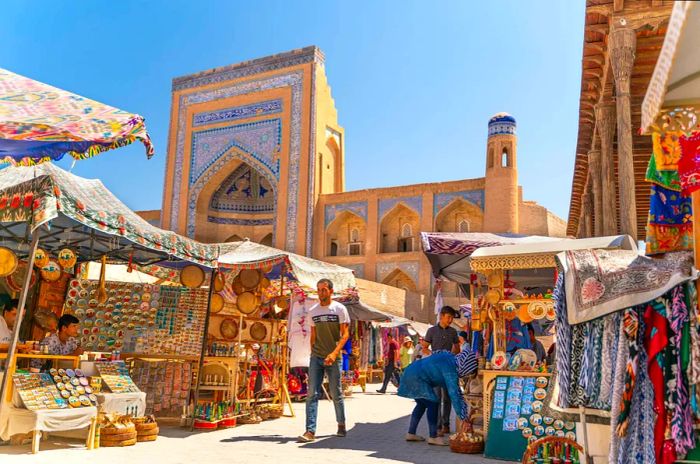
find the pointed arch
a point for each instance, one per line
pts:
(234, 238)
(399, 279)
(345, 235)
(266, 240)
(395, 222)
(457, 212)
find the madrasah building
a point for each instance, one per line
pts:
(255, 150)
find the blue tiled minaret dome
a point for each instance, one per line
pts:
(501, 124)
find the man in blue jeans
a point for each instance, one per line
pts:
(329, 332)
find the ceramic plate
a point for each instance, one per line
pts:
(540, 393)
(537, 406)
(499, 360)
(541, 382)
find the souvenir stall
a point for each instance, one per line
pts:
(262, 292)
(87, 223)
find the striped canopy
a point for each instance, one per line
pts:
(41, 123)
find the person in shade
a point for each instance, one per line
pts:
(391, 361)
(537, 345)
(463, 341)
(330, 324)
(419, 382)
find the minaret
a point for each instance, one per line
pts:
(501, 192)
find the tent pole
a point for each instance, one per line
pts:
(11, 355)
(204, 343)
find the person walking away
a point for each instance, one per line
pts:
(420, 382)
(442, 337)
(406, 352)
(329, 322)
(391, 361)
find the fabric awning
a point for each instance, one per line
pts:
(308, 271)
(623, 242)
(449, 253)
(676, 77)
(41, 123)
(359, 311)
(84, 215)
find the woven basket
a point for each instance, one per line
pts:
(275, 411)
(467, 447)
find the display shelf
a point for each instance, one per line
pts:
(215, 387)
(159, 356)
(527, 300)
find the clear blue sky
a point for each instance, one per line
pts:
(414, 82)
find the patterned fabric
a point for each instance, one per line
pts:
(689, 164)
(578, 339)
(681, 422)
(670, 222)
(41, 123)
(618, 388)
(667, 150)
(563, 343)
(667, 179)
(39, 193)
(609, 348)
(655, 343)
(693, 371)
(638, 447)
(466, 363)
(600, 282)
(631, 329)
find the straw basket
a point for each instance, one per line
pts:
(217, 303)
(113, 436)
(459, 445)
(147, 429)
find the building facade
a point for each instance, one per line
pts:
(256, 151)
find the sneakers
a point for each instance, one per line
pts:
(414, 437)
(342, 431)
(381, 391)
(308, 437)
(437, 441)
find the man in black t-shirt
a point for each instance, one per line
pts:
(391, 361)
(442, 337)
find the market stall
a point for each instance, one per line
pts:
(86, 223)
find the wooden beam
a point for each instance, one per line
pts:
(618, 5)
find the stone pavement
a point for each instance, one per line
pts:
(377, 424)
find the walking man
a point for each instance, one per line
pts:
(442, 337)
(391, 361)
(329, 322)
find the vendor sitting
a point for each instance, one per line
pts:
(7, 322)
(63, 342)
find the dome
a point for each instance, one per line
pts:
(502, 123)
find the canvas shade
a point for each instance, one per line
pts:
(41, 123)
(308, 271)
(84, 215)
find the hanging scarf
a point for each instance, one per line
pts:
(667, 151)
(563, 358)
(610, 334)
(681, 421)
(655, 342)
(466, 363)
(668, 179)
(618, 388)
(670, 225)
(579, 333)
(631, 327)
(689, 164)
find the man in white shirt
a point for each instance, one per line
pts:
(330, 324)
(7, 323)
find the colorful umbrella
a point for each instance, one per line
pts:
(40, 123)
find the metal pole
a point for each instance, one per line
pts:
(11, 356)
(204, 342)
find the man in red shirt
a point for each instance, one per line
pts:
(391, 361)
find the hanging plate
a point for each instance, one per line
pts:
(51, 272)
(229, 328)
(192, 276)
(16, 279)
(249, 278)
(258, 331)
(8, 261)
(217, 303)
(219, 282)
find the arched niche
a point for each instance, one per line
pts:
(234, 238)
(458, 215)
(398, 230)
(399, 279)
(237, 176)
(266, 240)
(345, 236)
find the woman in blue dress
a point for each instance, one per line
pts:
(419, 380)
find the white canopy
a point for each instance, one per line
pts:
(307, 270)
(623, 242)
(676, 78)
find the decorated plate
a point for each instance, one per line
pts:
(81, 303)
(549, 431)
(92, 396)
(559, 433)
(499, 360)
(74, 402)
(522, 423)
(93, 303)
(570, 435)
(537, 310)
(60, 385)
(528, 358)
(558, 424)
(88, 390)
(569, 425)
(70, 373)
(80, 390)
(65, 394)
(540, 393)
(136, 297)
(538, 431)
(537, 406)
(548, 420)
(536, 419)
(541, 382)
(510, 312)
(69, 386)
(551, 313)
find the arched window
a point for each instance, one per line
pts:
(334, 248)
(463, 226)
(505, 158)
(406, 231)
(354, 235)
(490, 158)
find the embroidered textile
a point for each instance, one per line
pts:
(665, 239)
(667, 150)
(667, 179)
(668, 207)
(599, 282)
(563, 342)
(689, 164)
(610, 341)
(618, 388)
(630, 323)
(655, 343)
(681, 422)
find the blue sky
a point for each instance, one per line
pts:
(414, 82)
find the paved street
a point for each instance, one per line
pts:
(377, 424)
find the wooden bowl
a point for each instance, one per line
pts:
(249, 278)
(247, 302)
(217, 303)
